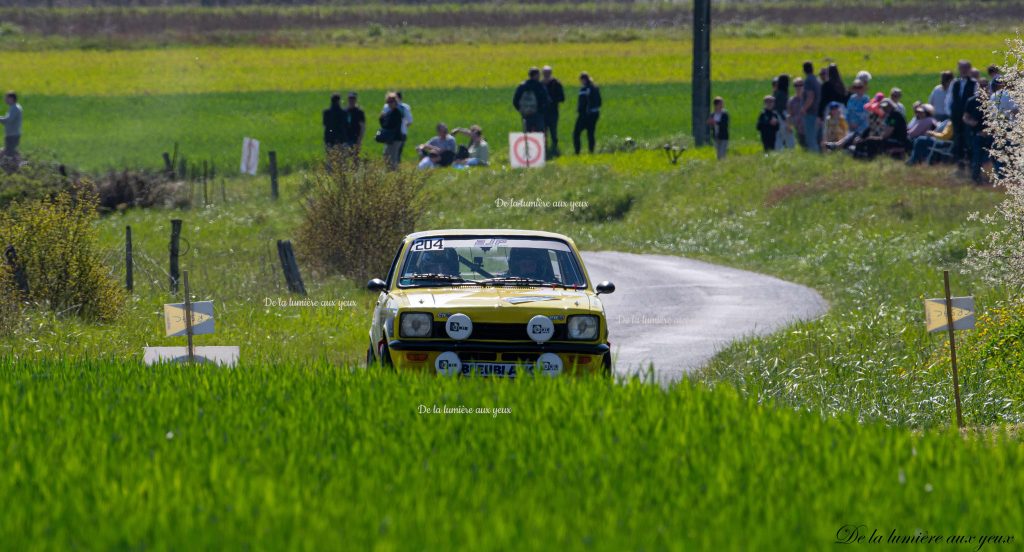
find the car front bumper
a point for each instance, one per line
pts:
(420, 355)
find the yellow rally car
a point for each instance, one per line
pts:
(490, 303)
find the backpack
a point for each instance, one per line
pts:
(528, 103)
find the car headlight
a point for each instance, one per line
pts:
(583, 327)
(416, 324)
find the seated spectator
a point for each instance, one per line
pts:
(922, 121)
(893, 136)
(477, 154)
(924, 143)
(835, 128)
(856, 115)
(439, 151)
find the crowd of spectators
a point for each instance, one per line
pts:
(823, 114)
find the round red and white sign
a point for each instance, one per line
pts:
(527, 150)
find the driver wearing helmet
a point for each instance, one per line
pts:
(437, 262)
(530, 263)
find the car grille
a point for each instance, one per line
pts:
(495, 331)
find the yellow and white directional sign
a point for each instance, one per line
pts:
(963, 314)
(202, 318)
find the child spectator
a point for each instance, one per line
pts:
(768, 124)
(719, 124)
(835, 129)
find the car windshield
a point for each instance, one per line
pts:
(461, 261)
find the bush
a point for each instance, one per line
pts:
(121, 189)
(357, 213)
(33, 180)
(57, 244)
(10, 307)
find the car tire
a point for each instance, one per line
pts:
(369, 357)
(385, 360)
(606, 365)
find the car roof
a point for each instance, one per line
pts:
(488, 232)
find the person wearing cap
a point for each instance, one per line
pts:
(835, 127)
(896, 95)
(355, 127)
(922, 121)
(335, 123)
(557, 94)
(768, 124)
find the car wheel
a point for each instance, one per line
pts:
(385, 360)
(606, 365)
(369, 356)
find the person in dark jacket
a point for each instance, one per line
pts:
(355, 125)
(780, 92)
(959, 92)
(719, 124)
(557, 95)
(978, 139)
(531, 100)
(391, 130)
(335, 124)
(768, 124)
(833, 89)
(588, 111)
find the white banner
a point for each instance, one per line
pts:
(250, 155)
(526, 151)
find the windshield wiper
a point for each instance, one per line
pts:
(449, 278)
(520, 280)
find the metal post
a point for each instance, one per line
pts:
(129, 275)
(273, 174)
(188, 320)
(952, 350)
(701, 88)
(175, 242)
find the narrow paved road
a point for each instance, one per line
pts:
(677, 313)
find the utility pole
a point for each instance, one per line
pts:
(701, 70)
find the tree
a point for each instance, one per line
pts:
(999, 258)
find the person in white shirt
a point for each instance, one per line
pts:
(12, 125)
(406, 121)
(938, 96)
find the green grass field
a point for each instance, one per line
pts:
(838, 421)
(310, 457)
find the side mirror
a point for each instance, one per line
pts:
(605, 287)
(377, 285)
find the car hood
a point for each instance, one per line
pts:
(484, 299)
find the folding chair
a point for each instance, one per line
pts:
(942, 148)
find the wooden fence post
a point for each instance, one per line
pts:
(291, 269)
(273, 174)
(129, 273)
(175, 242)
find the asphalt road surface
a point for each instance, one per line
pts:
(677, 313)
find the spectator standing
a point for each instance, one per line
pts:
(993, 73)
(780, 95)
(768, 124)
(478, 152)
(439, 151)
(390, 133)
(335, 122)
(896, 95)
(12, 125)
(531, 100)
(355, 127)
(1007, 108)
(406, 121)
(938, 96)
(794, 120)
(811, 100)
(557, 95)
(719, 124)
(921, 123)
(864, 77)
(977, 137)
(588, 111)
(962, 89)
(833, 89)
